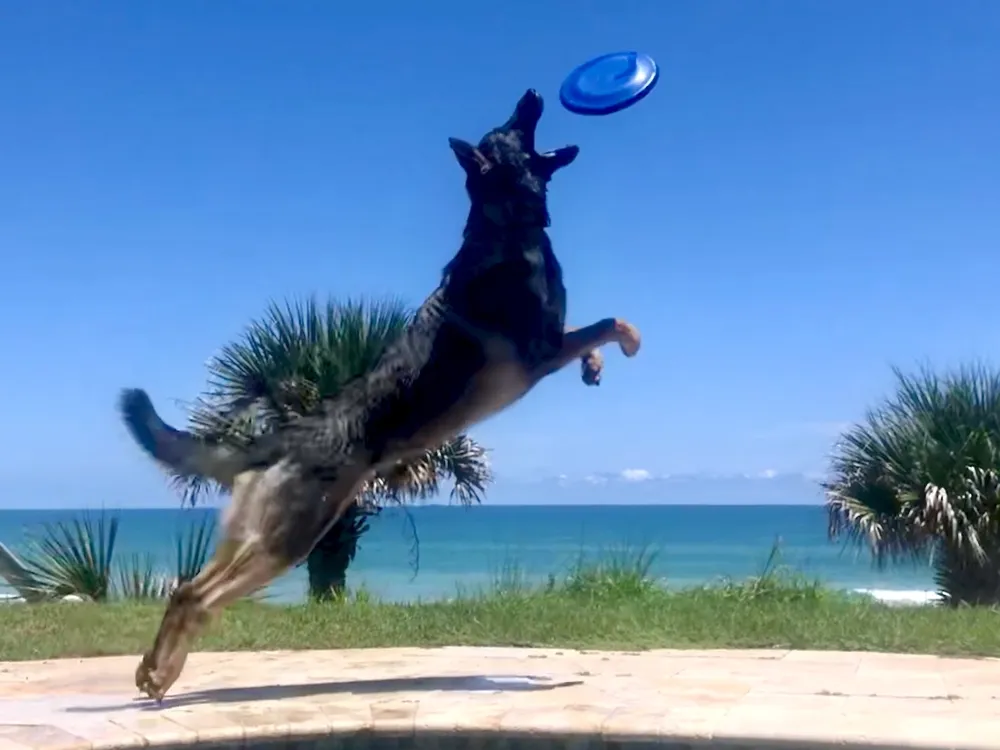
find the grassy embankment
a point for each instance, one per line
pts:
(610, 604)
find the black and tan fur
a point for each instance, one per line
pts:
(493, 329)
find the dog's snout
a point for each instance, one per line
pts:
(531, 105)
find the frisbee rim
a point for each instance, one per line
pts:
(567, 100)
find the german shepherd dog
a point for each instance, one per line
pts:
(493, 329)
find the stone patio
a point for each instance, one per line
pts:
(499, 697)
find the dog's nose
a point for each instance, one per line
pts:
(531, 105)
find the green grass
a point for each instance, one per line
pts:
(610, 604)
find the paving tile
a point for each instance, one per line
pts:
(851, 658)
(43, 737)
(805, 719)
(697, 722)
(101, 733)
(201, 724)
(394, 716)
(479, 699)
(564, 721)
(347, 720)
(457, 715)
(154, 727)
(625, 724)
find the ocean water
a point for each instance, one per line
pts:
(467, 548)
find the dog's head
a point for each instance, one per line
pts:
(505, 176)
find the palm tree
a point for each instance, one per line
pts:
(281, 367)
(920, 479)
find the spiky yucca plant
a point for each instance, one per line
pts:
(78, 557)
(73, 557)
(140, 578)
(920, 478)
(281, 368)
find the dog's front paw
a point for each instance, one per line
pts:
(591, 366)
(628, 338)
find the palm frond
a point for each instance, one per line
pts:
(235, 422)
(410, 529)
(73, 557)
(467, 463)
(284, 364)
(192, 548)
(139, 579)
(193, 490)
(921, 473)
(461, 460)
(302, 351)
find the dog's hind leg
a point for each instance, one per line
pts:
(274, 519)
(583, 344)
(238, 568)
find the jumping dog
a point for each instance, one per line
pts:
(493, 328)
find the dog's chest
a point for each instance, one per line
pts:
(502, 381)
(513, 290)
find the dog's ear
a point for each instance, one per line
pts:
(469, 157)
(550, 161)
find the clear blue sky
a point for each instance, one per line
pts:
(811, 195)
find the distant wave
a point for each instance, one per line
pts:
(894, 596)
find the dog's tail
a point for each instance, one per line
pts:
(181, 452)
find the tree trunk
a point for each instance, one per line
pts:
(328, 562)
(964, 580)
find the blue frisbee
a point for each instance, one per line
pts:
(609, 83)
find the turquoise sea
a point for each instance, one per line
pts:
(469, 547)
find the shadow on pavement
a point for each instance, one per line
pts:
(471, 683)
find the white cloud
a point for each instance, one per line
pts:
(636, 475)
(595, 479)
(768, 474)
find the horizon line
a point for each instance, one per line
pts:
(211, 506)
